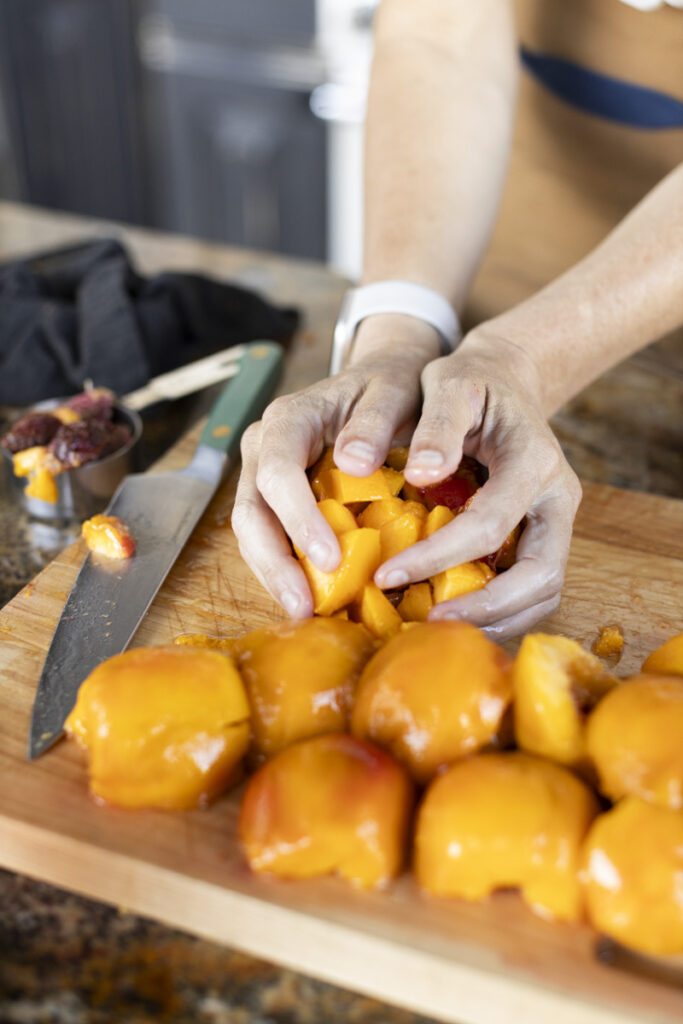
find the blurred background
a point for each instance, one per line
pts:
(234, 121)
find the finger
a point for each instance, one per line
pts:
(521, 623)
(290, 438)
(379, 415)
(451, 407)
(535, 578)
(263, 544)
(495, 510)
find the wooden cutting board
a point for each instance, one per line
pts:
(484, 964)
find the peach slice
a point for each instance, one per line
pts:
(331, 591)
(301, 677)
(433, 694)
(163, 726)
(632, 870)
(460, 579)
(108, 536)
(505, 819)
(667, 660)
(635, 740)
(328, 805)
(556, 683)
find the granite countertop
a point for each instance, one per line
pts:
(69, 960)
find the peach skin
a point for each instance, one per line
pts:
(328, 805)
(505, 819)
(635, 740)
(300, 678)
(433, 694)
(108, 536)
(556, 683)
(163, 727)
(632, 871)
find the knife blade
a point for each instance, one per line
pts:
(110, 598)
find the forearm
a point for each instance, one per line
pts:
(440, 114)
(625, 294)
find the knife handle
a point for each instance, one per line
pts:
(244, 397)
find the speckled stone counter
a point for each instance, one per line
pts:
(68, 960)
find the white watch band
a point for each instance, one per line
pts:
(393, 297)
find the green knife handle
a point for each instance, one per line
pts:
(244, 397)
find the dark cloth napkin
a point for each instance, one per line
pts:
(85, 313)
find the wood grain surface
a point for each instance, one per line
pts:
(484, 963)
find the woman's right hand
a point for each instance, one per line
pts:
(361, 411)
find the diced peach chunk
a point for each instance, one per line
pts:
(383, 483)
(416, 603)
(398, 534)
(377, 513)
(376, 612)
(460, 579)
(339, 517)
(668, 659)
(331, 591)
(439, 516)
(397, 458)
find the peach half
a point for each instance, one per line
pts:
(433, 694)
(328, 805)
(635, 740)
(163, 727)
(300, 678)
(556, 683)
(632, 870)
(667, 660)
(505, 819)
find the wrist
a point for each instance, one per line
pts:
(505, 356)
(395, 335)
(387, 298)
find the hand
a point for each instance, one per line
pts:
(484, 401)
(360, 410)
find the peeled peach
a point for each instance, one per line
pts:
(108, 536)
(399, 534)
(328, 805)
(632, 871)
(163, 726)
(216, 643)
(437, 518)
(635, 740)
(667, 660)
(505, 819)
(433, 694)
(556, 683)
(300, 678)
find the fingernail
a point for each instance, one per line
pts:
(359, 450)
(396, 578)
(320, 554)
(290, 601)
(428, 458)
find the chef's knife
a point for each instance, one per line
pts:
(109, 598)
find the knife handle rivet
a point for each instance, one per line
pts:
(223, 431)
